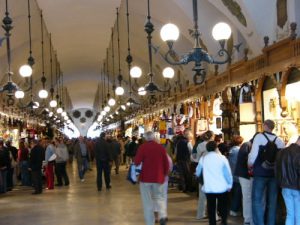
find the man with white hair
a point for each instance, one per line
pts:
(152, 177)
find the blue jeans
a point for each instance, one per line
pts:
(83, 168)
(292, 203)
(264, 188)
(25, 175)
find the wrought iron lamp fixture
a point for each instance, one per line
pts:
(151, 88)
(26, 70)
(53, 102)
(221, 32)
(119, 90)
(43, 93)
(10, 87)
(111, 100)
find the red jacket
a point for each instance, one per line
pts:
(155, 162)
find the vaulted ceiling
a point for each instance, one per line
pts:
(81, 33)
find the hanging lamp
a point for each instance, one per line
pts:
(26, 70)
(119, 90)
(43, 93)
(10, 87)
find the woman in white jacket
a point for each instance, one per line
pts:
(217, 179)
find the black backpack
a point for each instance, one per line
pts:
(268, 153)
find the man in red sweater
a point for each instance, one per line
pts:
(155, 167)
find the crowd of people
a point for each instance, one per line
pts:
(237, 178)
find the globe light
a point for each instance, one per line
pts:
(111, 102)
(25, 71)
(168, 72)
(128, 104)
(221, 31)
(135, 72)
(63, 114)
(111, 116)
(169, 32)
(50, 114)
(53, 103)
(142, 91)
(59, 110)
(46, 109)
(66, 118)
(19, 94)
(43, 93)
(103, 113)
(107, 109)
(123, 107)
(36, 105)
(119, 90)
(68, 121)
(117, 113)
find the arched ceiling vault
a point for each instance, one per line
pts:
(81, 33)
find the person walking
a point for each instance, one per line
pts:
(103, 160)
(35, 166)
(155, 167)
(288, 176)
(265, 188)
(81, 154)
(4, 166)
(61, 162)
(217, 182)
(116, 154)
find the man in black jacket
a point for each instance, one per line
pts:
(288, 176)
(35, 166)
(103, 160)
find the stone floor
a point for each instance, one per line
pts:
(82, 204)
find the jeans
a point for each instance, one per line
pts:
(103, 166)
(292, 203)
(61, 173)
(236, 197)
(246, 185)
(25, 176)
(264, 186)
(153, 193)
(3, 184)
(83, 168)
(201, 211)
(212, 199)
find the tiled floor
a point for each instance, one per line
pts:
(82, 204)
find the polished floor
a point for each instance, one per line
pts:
(82, 204)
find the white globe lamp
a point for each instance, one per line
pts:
(135, 72)
(25, 71)
(168, 72)
(19, 94)
(142, 91)
(53, 103)
(120, 90)
(111, 102)
(43, 93)
(63, 114)
(107, 109)
(169, 32)
(59, 110)
(221, 31)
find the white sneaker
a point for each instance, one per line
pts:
(82, 180)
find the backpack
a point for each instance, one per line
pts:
(268, 153)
